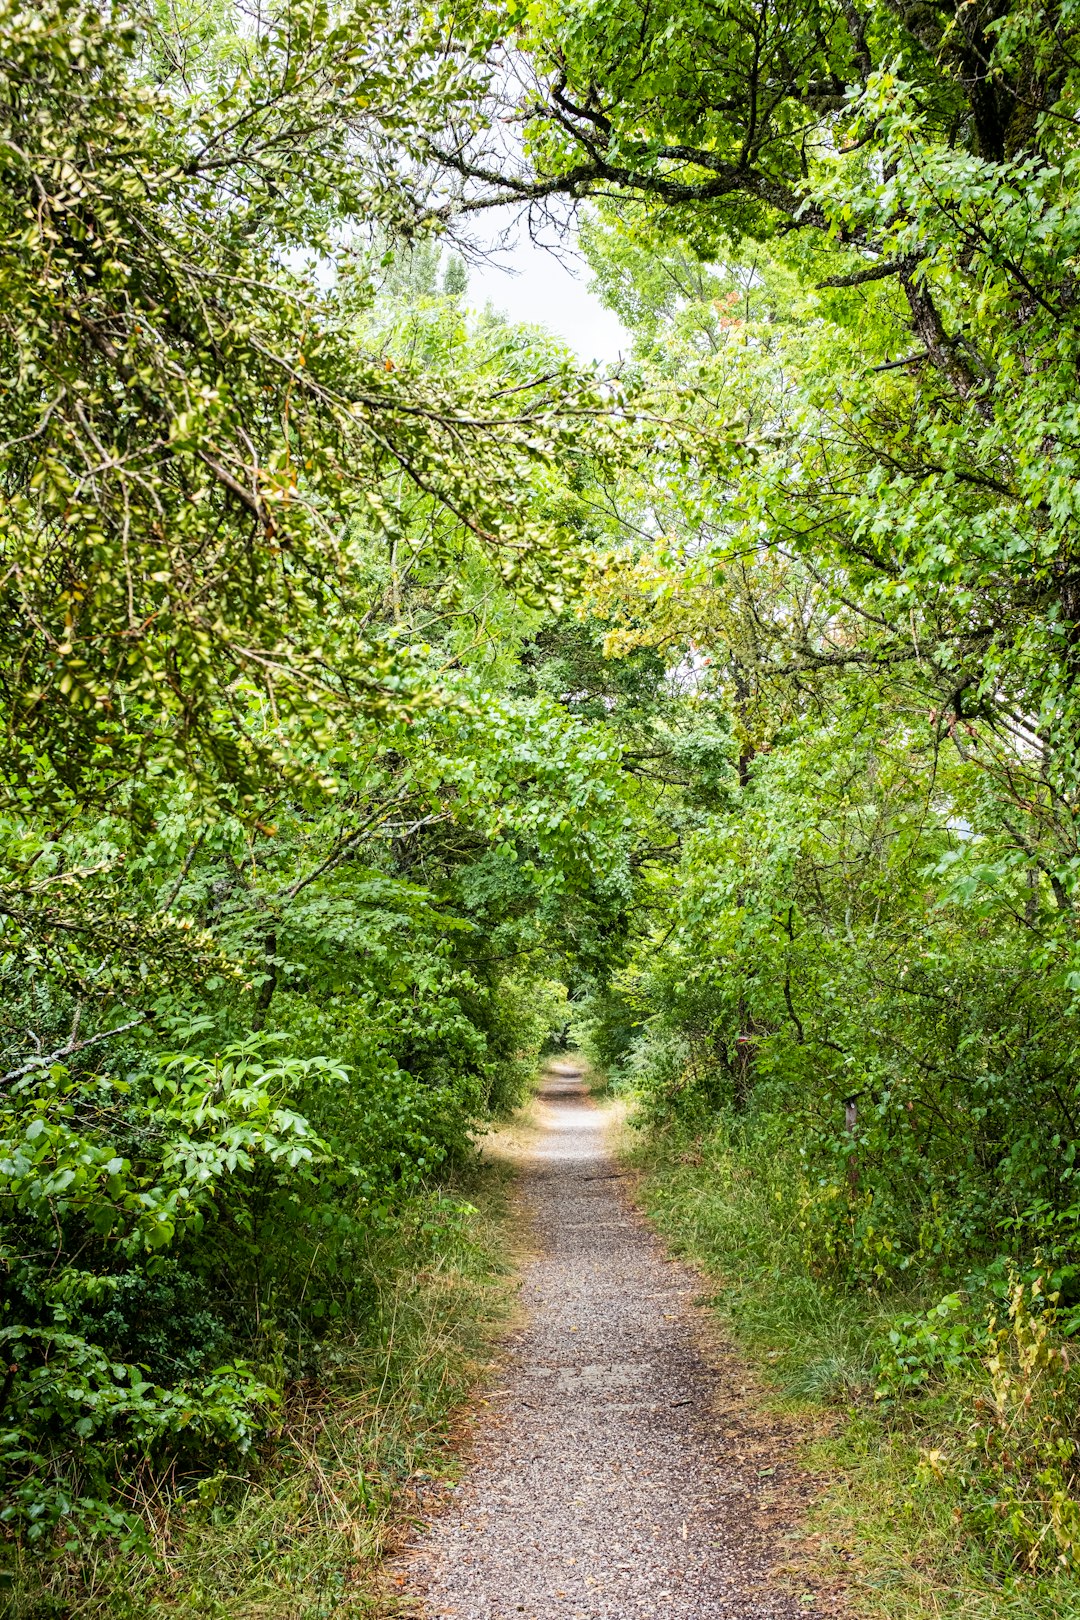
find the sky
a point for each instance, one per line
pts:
(530, 283)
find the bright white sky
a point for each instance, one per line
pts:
(529, 283)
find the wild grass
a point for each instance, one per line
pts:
(301, 1537)
(892, 1528)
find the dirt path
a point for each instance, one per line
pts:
(618, 1478)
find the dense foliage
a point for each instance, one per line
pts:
(371, 679)
(843, 237)
(283, 844)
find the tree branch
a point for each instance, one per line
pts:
(69, 1049)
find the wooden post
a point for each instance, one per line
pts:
(851, 1124)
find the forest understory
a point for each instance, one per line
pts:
(896, 1528)
(303, 1527)
(389, 698)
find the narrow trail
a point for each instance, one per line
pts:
(621, 1475)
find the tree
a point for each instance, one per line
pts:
(281, 851)
(193, 429)
(916, 174)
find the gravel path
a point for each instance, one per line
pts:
(621, 1475)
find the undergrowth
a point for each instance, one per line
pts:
(948, 1432)
(301, 1537)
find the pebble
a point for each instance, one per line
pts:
(607, 1483)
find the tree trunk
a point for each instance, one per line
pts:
(269, 985)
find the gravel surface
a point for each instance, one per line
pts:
(621, 1474)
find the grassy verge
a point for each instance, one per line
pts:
(301, 1537)
(934, 1507)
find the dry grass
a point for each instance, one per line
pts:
(881, 1530)
(356, 1457)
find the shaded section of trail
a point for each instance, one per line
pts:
(617, 1478)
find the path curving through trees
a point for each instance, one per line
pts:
(621, 1475)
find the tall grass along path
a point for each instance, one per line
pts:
(614, 1480)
